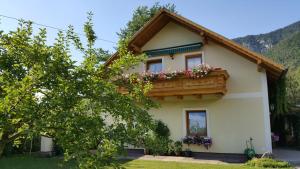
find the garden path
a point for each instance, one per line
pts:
(292, 156)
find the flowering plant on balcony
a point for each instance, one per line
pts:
(198, 72)
(198, 140)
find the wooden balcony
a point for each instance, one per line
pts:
(213, 83)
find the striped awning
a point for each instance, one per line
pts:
(174, 50)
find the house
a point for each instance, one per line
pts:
(230, 104)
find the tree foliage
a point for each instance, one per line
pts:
(43, 91)
(141, 15)
(293, 88)
(24, 59)
(278, 98)
(287, 51)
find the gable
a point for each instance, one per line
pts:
(172, 35)
(161, 19)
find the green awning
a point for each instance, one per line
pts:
(174, 50)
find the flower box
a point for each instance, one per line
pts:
(198, 140)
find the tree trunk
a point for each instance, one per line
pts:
(30, 145)
(2, 146)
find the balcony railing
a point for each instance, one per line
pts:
(213, 83)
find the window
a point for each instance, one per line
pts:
(154, 66)
(196, 123)
(192, 61)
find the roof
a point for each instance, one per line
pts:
(163, 17)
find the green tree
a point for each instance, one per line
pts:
(293, 88)
(81, 123)
(22, 60)
(293, 97)
(43, 91)
(141, 15)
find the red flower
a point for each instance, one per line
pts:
(188, 73)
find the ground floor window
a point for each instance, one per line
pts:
(196, 122)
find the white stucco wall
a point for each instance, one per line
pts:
(171, 35)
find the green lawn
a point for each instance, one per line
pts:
(24, 162)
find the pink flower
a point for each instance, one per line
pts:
(198, 72)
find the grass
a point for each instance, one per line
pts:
(267, 162)
(25, 162)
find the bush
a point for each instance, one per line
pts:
(161, 129)
(58, 149)
(24, 145)
(157, 145)
(158, 142)
(267, 163)
(178, 147)
(171, 148)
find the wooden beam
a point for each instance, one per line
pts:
(172, 56)
(179, 97)
(160, 98)
(220, 94)
(205, 40)
(204, 37)
(136, 48)
(199, 96)
(259, 66)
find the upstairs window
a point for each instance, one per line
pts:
(196, 123)
(154, 66)
(193, 61)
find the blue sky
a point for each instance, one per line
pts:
(231, 18)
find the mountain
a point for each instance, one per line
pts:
(287, 51)
(282, 45)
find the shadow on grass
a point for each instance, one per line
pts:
(34, 162)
